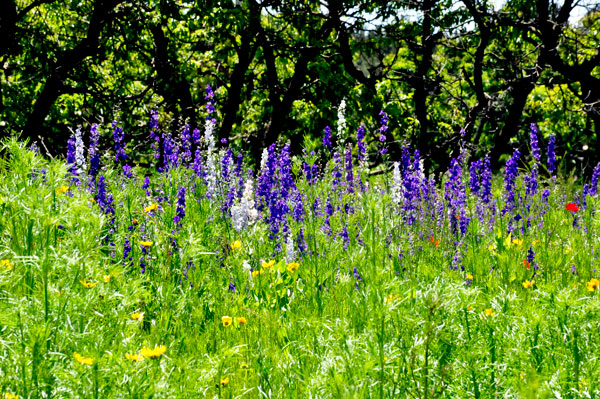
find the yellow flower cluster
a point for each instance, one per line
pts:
(228, 320)
(151, 208)
(137, 316)
(592, 285)
(88, 284)
(108, 277)
(6, 264)
(82, 359)
(292, 267)
(153, 353)
(528, 284)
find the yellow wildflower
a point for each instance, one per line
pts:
(292, 267)
(137, 316)
(82, 359)
(535, 242)
(225, 381)
(235, 245)
(134, 358)
(592, 285)
(256, 273)
(241, 320)
(6, 264)
(469, 308)
(489, 312)
(107, 278)
(9, 395)
(269, 264)
(62, 189)
(528, 284)
(87, 284)
(134, 221)
(226, 320)
(517, 241)
(469, 277)
(151, 208)
(568, 251)
(153, 353)
(146, 243)
(492, 248)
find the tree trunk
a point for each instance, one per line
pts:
(61, 69)
(171, 85)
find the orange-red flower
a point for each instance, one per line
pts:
(434, 241)
(526, 263)
(571, 206)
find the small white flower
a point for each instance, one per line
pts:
(246, 266)
(396, 190)
(244, 213)
(79, 149)
(290, 253)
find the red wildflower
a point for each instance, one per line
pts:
(434, 242)
(526, 263)
(571, 206)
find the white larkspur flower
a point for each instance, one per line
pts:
(290, 253)
(246, 266)
(243, 212)
(396, 190)
(341, 125)
(79, 150)
(263, 159)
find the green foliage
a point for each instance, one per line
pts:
(410, 325)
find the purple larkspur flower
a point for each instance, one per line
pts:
(180, 210)
(552, 154)
(349, 170)
(127, 257)
(595, 178)
(186, 143)
(486, 181)
(360, 141)
(119, 139)
(71, 160)
(93, 153)
(533, 142)
(475, 176)
(210, 103)
(510, 179)
(336, 174)
(327, 137)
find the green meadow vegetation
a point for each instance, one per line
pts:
(310, 277)
(375, 199)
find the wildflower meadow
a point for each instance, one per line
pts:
(319, 274)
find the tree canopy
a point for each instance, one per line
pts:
(441, 70)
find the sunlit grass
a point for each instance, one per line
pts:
(379, 312)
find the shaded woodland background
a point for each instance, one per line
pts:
(280, 69)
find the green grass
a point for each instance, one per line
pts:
(413, 328)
